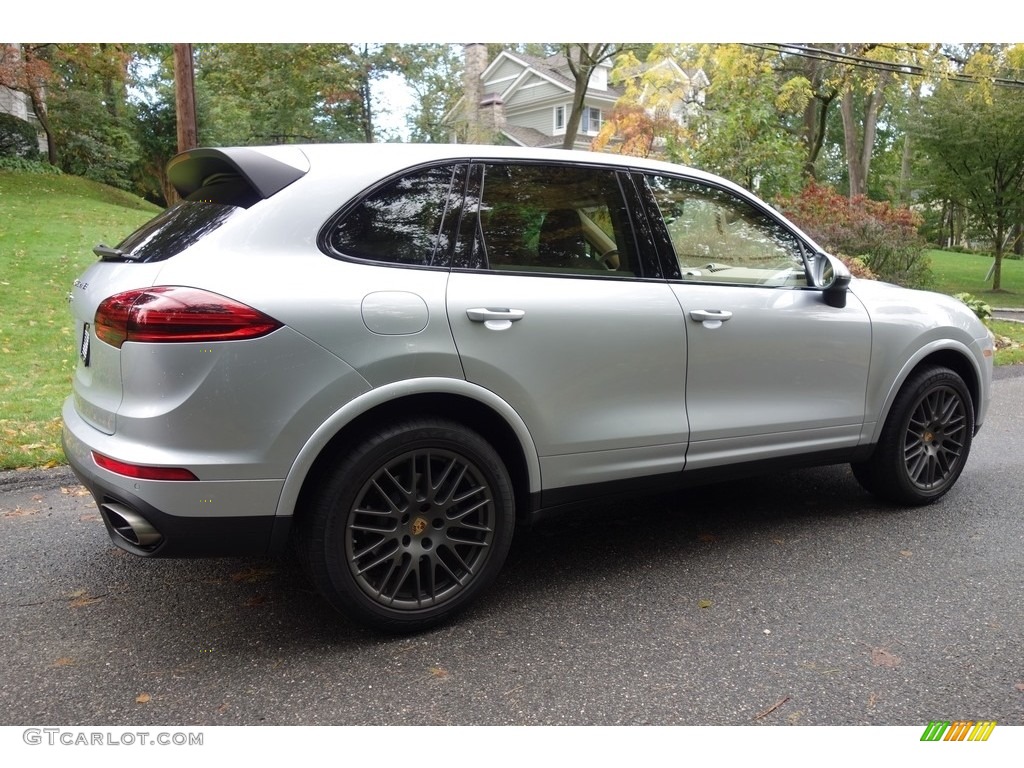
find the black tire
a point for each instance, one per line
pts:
(925, 441)
(409, 527)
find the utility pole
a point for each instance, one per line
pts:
(185, 96)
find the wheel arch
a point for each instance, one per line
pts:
(459, 401)
(957, 359)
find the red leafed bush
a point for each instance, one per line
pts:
(885, 237)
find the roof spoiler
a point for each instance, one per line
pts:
(266, 170)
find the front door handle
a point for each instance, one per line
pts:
(711, 318)
(495, 319)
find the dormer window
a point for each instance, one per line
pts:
(591, 122)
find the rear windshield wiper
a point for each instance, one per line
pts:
(107, 253)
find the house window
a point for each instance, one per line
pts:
(559, 119)
(591, 123)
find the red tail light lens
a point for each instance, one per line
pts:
(178, 314)
(142, 472)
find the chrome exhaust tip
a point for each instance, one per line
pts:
(128, 524)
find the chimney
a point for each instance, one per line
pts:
(483, 113)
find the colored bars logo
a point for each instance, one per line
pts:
(958, 730)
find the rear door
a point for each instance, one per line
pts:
(557, 304)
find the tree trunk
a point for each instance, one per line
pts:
(38, 98)
(859, 136)
(905, 169)
(582, 59)
(572, 123)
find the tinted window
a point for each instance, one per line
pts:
(546, 218)
(402, 222)
(720, 237)
(174, 230)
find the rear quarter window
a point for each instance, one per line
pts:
(402, 222)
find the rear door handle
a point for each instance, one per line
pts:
(711, 318)
(495, 319)
(481, 315)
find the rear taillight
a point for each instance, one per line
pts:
(177, 314)
(140, 471)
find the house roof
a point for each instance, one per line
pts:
(548, 68)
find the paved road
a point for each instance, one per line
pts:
(793, 600)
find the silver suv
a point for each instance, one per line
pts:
(391, 354)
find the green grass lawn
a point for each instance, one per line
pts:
(965, 273)
(48, 226)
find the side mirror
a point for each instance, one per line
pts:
(831, 277)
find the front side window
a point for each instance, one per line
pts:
(547, 218)
(402, 222)
(720, 237)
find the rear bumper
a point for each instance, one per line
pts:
(157, 518)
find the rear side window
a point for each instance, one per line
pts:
(174, 230)
(402, 222)
(547, 218)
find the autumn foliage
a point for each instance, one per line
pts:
(882, 236)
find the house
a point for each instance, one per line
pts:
(526, 100)
(14, 102)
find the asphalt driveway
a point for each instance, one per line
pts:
(794, 599)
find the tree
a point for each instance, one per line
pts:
(434, 75)
(583, 59)
(647, 116)
(973, 136)
(744, 132)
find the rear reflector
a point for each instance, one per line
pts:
(171, 313)
(141, 472)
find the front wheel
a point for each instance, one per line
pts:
(410, 526)
(925, 441)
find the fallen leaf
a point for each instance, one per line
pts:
(772, 708)
(19, 512)
(90, 518)
(223, 708)
(142, 698)
(439, 672)
(883, 658)
(704, 604)
(81, 598)
(63, 661)
(906, 553)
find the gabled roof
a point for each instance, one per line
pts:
(548, 68)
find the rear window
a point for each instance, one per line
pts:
(174, 230)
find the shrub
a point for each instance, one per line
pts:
(884, 236)
(8, 163)
(18, 138)
(977, 306)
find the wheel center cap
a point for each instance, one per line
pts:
(419, 525)
(929, 437)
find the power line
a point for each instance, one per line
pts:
(862, 62)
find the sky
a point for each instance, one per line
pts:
(402, 21)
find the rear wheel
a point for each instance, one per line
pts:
(925, 441)
(410, 526)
